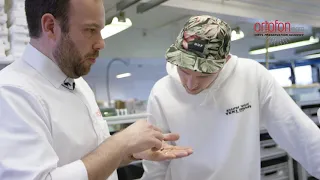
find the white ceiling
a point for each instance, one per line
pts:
(167, 20)
(145, 51)
(295, 11)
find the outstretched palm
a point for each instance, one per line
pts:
(167, 152)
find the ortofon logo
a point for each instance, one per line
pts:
(277, 32)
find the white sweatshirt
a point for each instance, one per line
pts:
(222, 125)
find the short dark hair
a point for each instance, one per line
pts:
(35, 9)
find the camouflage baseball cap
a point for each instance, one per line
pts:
(202, 45)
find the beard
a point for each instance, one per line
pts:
(69, 59)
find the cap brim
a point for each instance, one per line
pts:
(191, 61)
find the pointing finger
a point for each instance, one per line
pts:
(156, 128)
(171, 137)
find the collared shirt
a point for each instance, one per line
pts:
(45, 127)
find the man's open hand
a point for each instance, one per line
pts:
(166, 152)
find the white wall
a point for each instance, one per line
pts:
(149, 51)
(2, 66)
(131, 43)
(136, 86)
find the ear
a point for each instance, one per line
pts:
(49, 26)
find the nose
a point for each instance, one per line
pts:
(99, 45)
(192, 83)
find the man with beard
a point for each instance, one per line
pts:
(50, 124)
(217, 102)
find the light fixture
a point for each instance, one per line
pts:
(118, 24)
(236, 34)
(108, 75)
(146, 6)
(123, 75)
(296, 44)
(311, 56)
(122, 5)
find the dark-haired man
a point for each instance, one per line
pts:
(50, 124)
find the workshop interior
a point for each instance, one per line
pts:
(138, 32)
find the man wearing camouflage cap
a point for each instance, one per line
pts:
(217, 102)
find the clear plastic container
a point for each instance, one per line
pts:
(19, 21)
(6, 44)
(18, 29)
(2, 3)
(17, 5)
(18, 40)
(3, 19)
(4, 30)
(17, 13)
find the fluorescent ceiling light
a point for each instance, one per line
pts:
(123, 75)
(236, 35)
(307, 52)
(312, 40)
(147, 5)
(122, 5)
(311, 56)
(115, 27)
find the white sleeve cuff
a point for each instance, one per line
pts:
(74, 170)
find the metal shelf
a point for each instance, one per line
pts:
(126, 119)
(5, 62)
(263, 130)
(267, 154)
(315, 120)
(314, 106)
(275, 177)
(272, 153)
(136, 162)
(303, 103)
